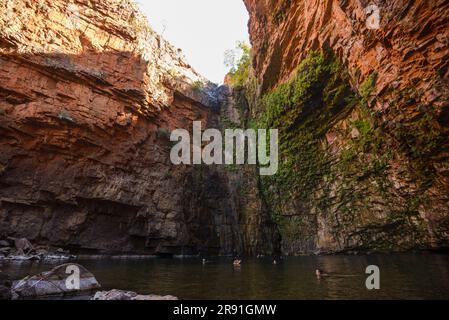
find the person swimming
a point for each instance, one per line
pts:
(320, 274)
(237, 263)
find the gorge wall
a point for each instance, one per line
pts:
(363, 116)
(88, 97)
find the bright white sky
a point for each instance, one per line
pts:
(203, 29)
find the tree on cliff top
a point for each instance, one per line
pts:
(238, 60)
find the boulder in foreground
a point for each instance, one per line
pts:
(55, 282)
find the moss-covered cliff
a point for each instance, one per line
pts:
(363, 123)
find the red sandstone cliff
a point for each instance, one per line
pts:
(385, 182)
(88, 96)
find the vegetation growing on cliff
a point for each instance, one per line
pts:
(239, 66)
(281, 13)
(302, 109)
(198, 85)
(343, 183)
(306, 109)
(163, 134)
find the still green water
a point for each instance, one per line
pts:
(420, 276)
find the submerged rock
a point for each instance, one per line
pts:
(55, 282)
(4, 243)
(23, 258)
(56, 257)
(37, 257)
(129, 295)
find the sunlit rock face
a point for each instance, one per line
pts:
(372, 169)
(89, 94)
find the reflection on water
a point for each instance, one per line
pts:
(402, 277)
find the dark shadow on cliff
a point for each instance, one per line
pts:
(85, 165)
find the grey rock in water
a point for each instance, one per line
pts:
(5, 287)
(55, 282)
(115, 295)
(23, 258)
(4, 243)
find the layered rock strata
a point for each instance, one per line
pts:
(363, 114)
(88, 97)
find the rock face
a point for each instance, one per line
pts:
(363, 116)
(88, 96)
(118, 295)
(55, 282)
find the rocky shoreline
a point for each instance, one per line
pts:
(20, 249)
(54, 283)
(60, 282)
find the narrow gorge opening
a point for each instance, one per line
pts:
(203, 30)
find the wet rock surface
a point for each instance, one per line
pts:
(115, 295)
(21, 249)
(67, 281)
(56, 282)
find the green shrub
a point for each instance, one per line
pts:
(173, 73)
(163, 134)
(367, 88)
(281, 13)
(239, 70)
(198, 85)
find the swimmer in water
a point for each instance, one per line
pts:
(237, 263)
(320, 274)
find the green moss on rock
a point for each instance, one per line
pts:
(303, 109)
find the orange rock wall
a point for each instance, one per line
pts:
(88, 96)
(350, 209)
